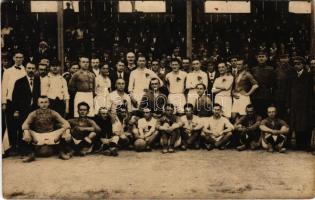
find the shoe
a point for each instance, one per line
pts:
(241, 147)
(171, 150)
(254, 145)
(270, 149)
(222, 147)
(113, 151)
(164, 151)
(197, 146)
(209, 147)
(183, 147)
(29, 158)
(282, 150)
(64, 156)
(148, 148)
(106, 152)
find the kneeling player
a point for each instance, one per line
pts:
(247, 129)
(192, 126)
(123, 125)
(274, 131)
(145, 133)
(217, 132)
(106, 142)
(39, 131)
(83, 131)
(169, 127)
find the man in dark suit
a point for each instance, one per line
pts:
(212, 74)
(300, 103)
(24, 98)
(119, 72)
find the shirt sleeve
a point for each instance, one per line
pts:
(251, 79)
(131, 81)
(72, 83)
(28, 122)
(189, 82)
(5, 86)
(283, 123)
(64, 123)
(65, 89)
(205, 79)
(228, 124)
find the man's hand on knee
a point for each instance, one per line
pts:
(27, 136)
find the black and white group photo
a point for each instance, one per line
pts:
(184, 99)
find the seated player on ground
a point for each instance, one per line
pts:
(83, 131)
(217, 132)
(274, 131)
(145, 133)
(106, 142)
(123, 125)
(247, 129)
(169, 128)
(192, 126)
(39, 131)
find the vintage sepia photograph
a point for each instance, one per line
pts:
(158, 99)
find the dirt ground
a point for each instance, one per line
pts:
(190, 174)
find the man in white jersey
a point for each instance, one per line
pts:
(175, 81)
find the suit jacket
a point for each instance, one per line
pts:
(210, 82)
(23, 99)
(114, 77)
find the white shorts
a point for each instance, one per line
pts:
(239, 105)
(226, 103)
(192, 97)
(86, 97)
(179, 101)
(47, 138)
(100, 101)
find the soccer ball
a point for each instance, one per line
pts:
(140, 144)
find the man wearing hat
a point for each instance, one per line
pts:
(300, 103)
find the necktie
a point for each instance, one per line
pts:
(31, 83)
(119, 75)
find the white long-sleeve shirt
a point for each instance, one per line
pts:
(54, 86)
(10, 76)
(176, 82)
(196, 77)
(226, 82)
(139, 80)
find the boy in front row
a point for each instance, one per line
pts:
(83, 131)
(217, 131)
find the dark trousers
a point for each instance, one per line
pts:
(245, 138)
(303, 139)
(13, 126)
(58, 105)
(280, 139)
(192, 139)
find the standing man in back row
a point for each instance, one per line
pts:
(139, 81)
(82, 83)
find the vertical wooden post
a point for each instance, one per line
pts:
(189, 28)
(61, 56)
(312, 47)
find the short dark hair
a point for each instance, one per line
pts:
(175, 60)
(250, 106)
(217, 105)
(55, 63)
(83, 103)
(43, 97)
(170, 105)
(203, 85)
(188, 105)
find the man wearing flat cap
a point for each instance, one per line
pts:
(300, 103)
